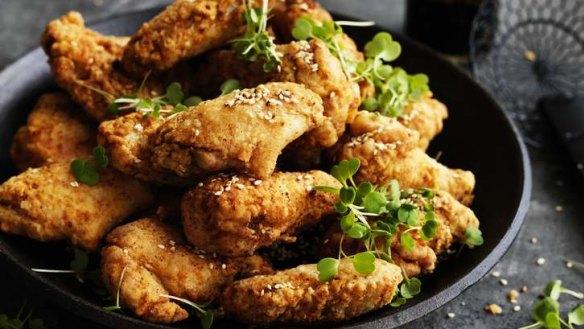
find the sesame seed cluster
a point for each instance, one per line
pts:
(262, 94)
(305, 54)
(379, 146)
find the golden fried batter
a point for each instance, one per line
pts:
(82, 58)
(184, 29)
(384, 156)
(453, 219)
(426, 117)
(308, 63)
(244, 131)
(47, 204)
(236, 215)
(55, 131)
(158, 262)
(286, 12)
(129, 140)
(298, 296)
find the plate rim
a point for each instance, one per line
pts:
(79, 306)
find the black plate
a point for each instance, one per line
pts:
(478, 136)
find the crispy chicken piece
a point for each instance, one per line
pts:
(307, 63)
(453, 219)
(236, 215)
(426, 117)
(184, 29)
(155, 261)
(83, 61)
(286, 12)
(298, 296)
(129, 140)
(385, 155)
(54, 132)
(244, 131)
(47, 204)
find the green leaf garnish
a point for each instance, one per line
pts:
(364, 262)
(554, 289)
(576, 316)
(80, 260)
(473, 236)
(86, 170)
(546, 312)
(19, 322)
(256, 43)
(369, 213)
(229, 86)
(327, 269)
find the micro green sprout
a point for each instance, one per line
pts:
(256, 43)
(374, 215)
(205, 316)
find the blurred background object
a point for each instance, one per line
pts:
(523, 51)
(444, 25)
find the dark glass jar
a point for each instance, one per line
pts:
(444, 25)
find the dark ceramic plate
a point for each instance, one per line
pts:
(478, 136)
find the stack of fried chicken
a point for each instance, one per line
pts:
(190, 200)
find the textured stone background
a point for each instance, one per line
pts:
(560, 234)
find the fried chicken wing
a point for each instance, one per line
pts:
(244, 131)
(156, 261)
(55, 131)
(129, 140)
(184, 29)
(298, 296)
(384, 157)
(236, 215)
(425, 116)
(308, 63)
(83, 61)
(453, 219)
(47, 204)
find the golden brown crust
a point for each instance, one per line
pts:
(159, 262)
(385, 155)
(129, 140)
(234, 216)
(55, 131)
(184, 29)
(298, 296)
(47, 204)
(77, 54)
(244, 131)
(426, 117)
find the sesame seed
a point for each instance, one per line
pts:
(74, 184)
(161, 246)
(138, 127)
(569, 264)
(524, 289)
(503, 282)
(262, 292)
(211, 265)
(451, 315)
(223, 266)
(496, 274)
(125, 251)
(559, 208)
(534, 240)
(200, 184)
(516, 308)
(540, 261)
(257, 182)
(172, 242)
